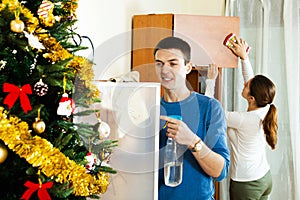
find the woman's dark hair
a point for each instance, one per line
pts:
(263, 90)
(175, 43)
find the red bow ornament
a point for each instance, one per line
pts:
(14, 93)
(41, 188)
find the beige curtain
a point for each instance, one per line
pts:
(272, 28)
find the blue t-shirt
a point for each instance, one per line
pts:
(205, 117)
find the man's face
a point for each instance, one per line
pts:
(170, 68)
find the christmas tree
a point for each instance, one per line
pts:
(44, 153)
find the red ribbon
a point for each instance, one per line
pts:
(42, 192)
(14, 93)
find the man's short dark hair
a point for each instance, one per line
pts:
(175, 43)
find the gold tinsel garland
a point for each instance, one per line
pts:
(53, 163)
(85, 71)
(55, 51)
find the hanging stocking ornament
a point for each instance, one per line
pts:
(40, 88)
(91, 161)
(66, 106)
(39, 125)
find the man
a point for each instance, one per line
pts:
(202, 129)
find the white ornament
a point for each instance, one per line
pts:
(2, 64)
(34, 41)
(104, 130)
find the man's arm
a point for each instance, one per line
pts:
(214, 157)
(211, 162)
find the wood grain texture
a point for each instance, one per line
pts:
(147, 31)
(206, 35)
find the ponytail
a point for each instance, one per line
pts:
(263, 90)
(270, 126)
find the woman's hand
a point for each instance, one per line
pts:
(239, 48)
(212, 71)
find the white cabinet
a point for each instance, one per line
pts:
(132, 112)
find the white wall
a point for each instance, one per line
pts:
(108, 25)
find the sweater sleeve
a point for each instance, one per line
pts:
(247, 70)
(210, 88)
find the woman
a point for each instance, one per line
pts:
(249, 132)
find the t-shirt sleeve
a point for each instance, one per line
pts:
(216, 138)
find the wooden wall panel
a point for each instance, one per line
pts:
(206, 35)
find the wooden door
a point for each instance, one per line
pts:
(147, 31)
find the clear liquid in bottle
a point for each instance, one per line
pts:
(173, 173)
(173, 164)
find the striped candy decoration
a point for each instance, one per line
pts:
(44, 8)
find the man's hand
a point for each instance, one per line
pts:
(179, 131)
